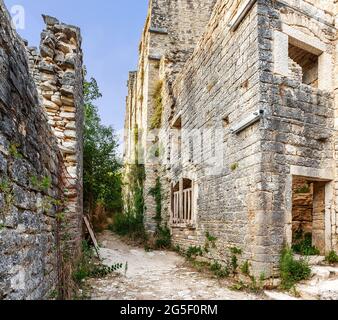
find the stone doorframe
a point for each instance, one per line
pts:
(323, 175)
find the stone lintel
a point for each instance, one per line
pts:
(327, 174)
(304, 41)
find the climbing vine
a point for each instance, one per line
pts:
(163, 234)
(156, 119)
(136, 178)
(156, 192)
(131, 222)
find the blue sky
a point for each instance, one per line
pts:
(111, 31)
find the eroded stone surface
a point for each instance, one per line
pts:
(29, 153)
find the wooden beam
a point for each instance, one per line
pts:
(92, 235)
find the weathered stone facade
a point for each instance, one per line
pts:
(40, 157)
(172, 28)
(249, 105)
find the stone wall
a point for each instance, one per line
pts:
(33, 173)
(171, 32)
(241, 68)
(298, 137)
(217, 88)
(245, 200)
(129, 140)
(57, 71)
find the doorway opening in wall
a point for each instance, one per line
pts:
(182, 203)
(308, 216)
(303, 64)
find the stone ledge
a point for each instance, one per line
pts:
(158, 30)
(155, 58)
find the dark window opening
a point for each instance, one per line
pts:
(303, 65)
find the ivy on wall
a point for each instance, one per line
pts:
(163, 234)
(156, 192)
(156, 119)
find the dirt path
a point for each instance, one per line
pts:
(154, 276)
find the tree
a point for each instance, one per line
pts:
(102, 168)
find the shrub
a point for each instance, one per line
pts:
(304, 245)
(210, 238)
(236, 250)
(80, 274)
(215, 266)
(194, 252)
(219, 271)
(129, 225)
(177, 249)
(163, 238)
(292, 271)
(234, 264)
(156, 193)
(332, 258)
(86, 268)
(245, 268)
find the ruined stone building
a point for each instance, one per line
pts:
(233, 109)
(41, 121)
